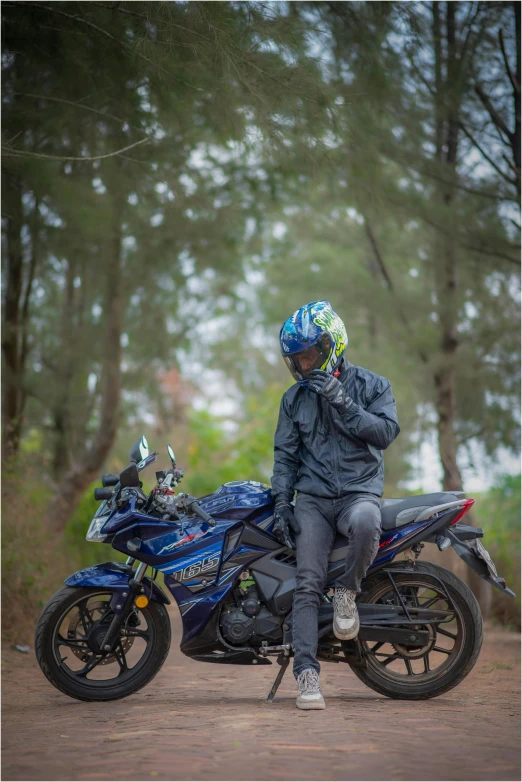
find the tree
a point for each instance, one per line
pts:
(405, 228)
(134, 194)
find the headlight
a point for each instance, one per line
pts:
(94, 532)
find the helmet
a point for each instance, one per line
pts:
(313, 338)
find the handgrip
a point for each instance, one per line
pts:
(110, 479)
(103, 494)
(195, 508)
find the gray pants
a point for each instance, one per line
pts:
(358, 516)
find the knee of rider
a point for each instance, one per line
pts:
(366, 520)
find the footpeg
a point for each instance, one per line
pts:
(266, 651)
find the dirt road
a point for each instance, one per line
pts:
(207, 722)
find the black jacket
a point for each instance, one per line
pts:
(321, 451)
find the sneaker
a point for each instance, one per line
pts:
(346, 617)
(310, 696)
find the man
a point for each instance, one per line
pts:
(333, 425)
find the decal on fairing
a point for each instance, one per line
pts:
(206, 565)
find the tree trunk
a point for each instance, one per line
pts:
(446, 272)
(10, 333)
(86, 468)
(16, 311)
(66, 367)
(516, 140)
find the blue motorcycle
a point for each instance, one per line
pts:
(106, 633)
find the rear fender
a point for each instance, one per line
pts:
(473, 557)
(115, 577)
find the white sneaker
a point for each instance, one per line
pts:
(310, 696)
(346, 617)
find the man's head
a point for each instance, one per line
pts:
(314, 337)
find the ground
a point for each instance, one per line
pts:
(198, 721)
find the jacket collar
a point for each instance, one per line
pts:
(345, 366)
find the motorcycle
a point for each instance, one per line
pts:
(106, 633)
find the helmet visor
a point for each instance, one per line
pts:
(302, 363)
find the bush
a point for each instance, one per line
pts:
(34, 563)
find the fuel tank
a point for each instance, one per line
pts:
(248, 500)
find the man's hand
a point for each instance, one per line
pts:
(285, 523)
(330, 389)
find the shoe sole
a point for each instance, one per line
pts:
(348, 635)
(311, 705)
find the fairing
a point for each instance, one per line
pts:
(202, 564)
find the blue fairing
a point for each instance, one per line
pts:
(242, 498)
(393, 540)
(200, 563)
(113, 576)
(189, 553)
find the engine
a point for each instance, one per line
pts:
(247, 620)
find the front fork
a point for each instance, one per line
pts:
(123, 603)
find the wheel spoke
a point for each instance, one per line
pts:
(134, 633)
(85, 617)
(73, 643)
(390, 659)
(91, 663)
(431, 601)
(442, 631)
(119, 653)
(426, 659)
(411, 593)
(378, 645)
(441, 649)
(408, 666)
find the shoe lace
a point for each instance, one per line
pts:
(308, 681)
(344, 599)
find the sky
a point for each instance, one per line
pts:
(427, 469)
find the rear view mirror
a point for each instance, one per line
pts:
(130, 476)
(140, 450)
(172, 455)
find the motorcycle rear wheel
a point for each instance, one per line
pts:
(67, 647)
(405, 672)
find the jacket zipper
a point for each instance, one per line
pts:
(336, 464)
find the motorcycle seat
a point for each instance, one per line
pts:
(403, 510)
(397, 512)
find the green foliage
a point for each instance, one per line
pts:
(215, 456)
(293, 152)
(498, 512)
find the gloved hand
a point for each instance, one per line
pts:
(285, 523)
(330, 389)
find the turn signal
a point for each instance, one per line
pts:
(141, 601)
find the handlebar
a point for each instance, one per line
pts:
(198, 510)
(103, 494)
(110, 479)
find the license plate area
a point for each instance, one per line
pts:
(485, 556)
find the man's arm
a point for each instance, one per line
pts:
(378, 425)
(286, 455)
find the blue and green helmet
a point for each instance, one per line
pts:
(314, 337)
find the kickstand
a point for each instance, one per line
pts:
(283, 661)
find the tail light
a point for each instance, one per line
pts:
(467, 506)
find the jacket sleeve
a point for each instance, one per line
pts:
(377, 425)
(286, 455)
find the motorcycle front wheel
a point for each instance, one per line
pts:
(68, 640)
(417, 673)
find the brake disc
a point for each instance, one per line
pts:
(82, 654)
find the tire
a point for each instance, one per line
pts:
(470, 633)
(56, 672)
